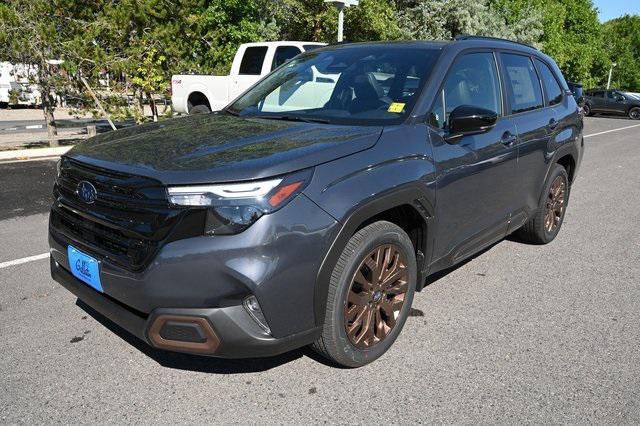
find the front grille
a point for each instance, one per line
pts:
(128, 222)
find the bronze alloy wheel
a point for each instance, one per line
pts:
(555, 204)
(376, 296)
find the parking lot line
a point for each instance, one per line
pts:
(612, 130)
(23, 260)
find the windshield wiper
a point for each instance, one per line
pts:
(291, 118)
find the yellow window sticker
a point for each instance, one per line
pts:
(396, 107)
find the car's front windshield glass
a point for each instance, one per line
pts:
(359, 84)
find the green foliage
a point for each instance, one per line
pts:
(14, 97)
(444, 19)
(141, 43)
(148, 74)
(574, 39)
(622, 38)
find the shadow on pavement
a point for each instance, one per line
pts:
(213, 365)
(199, 363)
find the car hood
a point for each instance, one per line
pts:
(221, 148)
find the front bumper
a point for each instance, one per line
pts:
(276, 260)
(239, 336)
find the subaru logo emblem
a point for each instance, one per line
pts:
(86, 192)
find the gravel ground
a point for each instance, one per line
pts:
(521, 333)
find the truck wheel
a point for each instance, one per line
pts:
(543, 227)
(587, 110)
(634, 113)
(199, 109)
(370, 293)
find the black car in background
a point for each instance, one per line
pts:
(611, 101)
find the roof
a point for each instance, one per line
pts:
(440, 44)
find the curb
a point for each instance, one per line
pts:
(35, 153)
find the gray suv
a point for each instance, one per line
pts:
(312, 208)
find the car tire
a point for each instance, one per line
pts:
(545, 224)
(587, 110)
(634, 113)
(199, 109)
(381, 249)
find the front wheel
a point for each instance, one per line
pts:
(634, 113)
(370, 294)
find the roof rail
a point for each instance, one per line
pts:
(460, 37)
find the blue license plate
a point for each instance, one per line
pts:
(84, 267)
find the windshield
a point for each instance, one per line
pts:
(368, 85)
(635, 96)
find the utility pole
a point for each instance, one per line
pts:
(341, 5)
(610, 73)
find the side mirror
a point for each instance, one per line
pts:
(620, 99)
(469, 120)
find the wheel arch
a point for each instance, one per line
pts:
(569, 163)
(197, 98)
(408, 208)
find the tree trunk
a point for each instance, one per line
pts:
(47, 108)
(140, 107)
(154, 109)
(48, 103)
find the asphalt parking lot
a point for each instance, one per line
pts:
(521, 333)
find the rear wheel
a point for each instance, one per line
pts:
(199, 109)
(587, 109)
(543, 227)
(370, 294)
(634, 113)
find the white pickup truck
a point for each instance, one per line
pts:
(196, 94)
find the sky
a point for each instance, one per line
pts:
(610, 9)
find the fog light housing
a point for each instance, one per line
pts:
(253, 308)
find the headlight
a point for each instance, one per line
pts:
(233, 207)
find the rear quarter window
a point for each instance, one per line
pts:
(551, 86)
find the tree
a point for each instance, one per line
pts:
(622, 37)
(572, 35)
(371, 20)
(34, 32)
(444, 19)
(315, 20)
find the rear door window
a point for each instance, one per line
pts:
(523, 86)
(283, 54)
(472, 80)
(551, 86)
(614, 96)
(252, 60)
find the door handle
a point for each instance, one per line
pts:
(508, 138)
(552, 124)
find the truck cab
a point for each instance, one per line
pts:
(195, 94)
